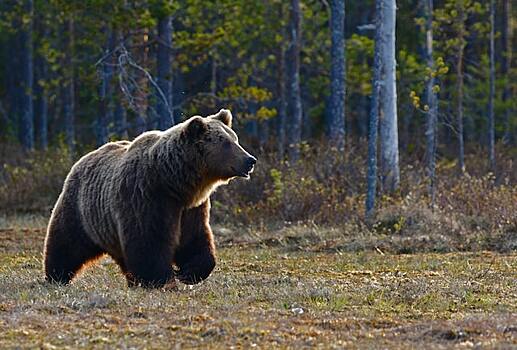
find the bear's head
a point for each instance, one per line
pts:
(223, 156)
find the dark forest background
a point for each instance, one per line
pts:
(309, 83)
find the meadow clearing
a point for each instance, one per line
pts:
(298, 288)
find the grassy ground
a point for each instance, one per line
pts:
(264, 293)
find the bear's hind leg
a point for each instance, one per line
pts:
(67, 249)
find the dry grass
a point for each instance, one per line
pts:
(298, 288)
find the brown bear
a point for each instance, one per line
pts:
(146, 203)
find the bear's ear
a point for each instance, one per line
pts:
(196, 127)
(225, 116)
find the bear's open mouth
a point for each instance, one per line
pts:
(245, 174)
(250, 170)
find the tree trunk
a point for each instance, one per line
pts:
(281, 102)
(119, 114)
(506, 64)
(389, 131)
(164, 78)
(374, 112)
(41, 79)
(41, 106)
(336, 109)
(27, 107)
(68, 85)
(432, 113)
(491, 132)
(282, 105)
(144, 118)
(105, 92)
(294, 133)
(459, 88)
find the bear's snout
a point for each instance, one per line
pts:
(245, 166)
(250, 162)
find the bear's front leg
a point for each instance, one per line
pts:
(195, 256)
(148, 264)
(149, 249)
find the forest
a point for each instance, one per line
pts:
(382, 211)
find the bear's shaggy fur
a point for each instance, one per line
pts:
(146, 203)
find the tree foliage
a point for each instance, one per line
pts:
(225, 53)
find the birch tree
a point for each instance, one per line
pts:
(388, 122)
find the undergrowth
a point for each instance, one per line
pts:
(476, 210)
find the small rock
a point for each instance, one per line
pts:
(297, 310)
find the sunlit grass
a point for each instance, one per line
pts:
(268, 295)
